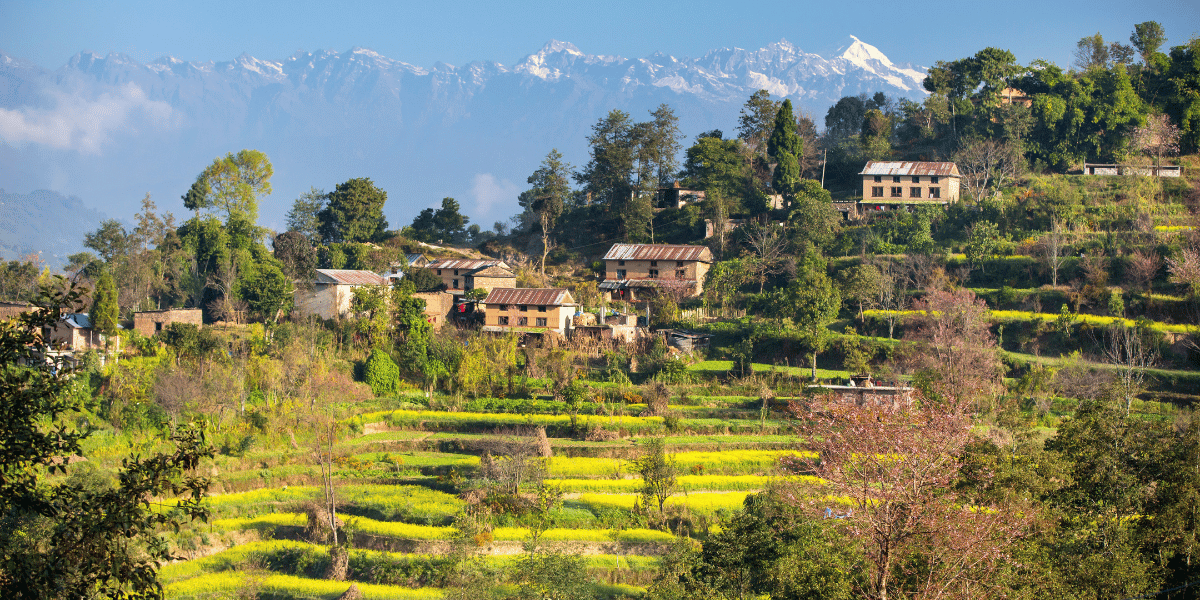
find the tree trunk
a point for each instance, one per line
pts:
(339, 563)
(814, 367)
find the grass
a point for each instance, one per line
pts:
(727, 462)
(687, 483)
(720, 367)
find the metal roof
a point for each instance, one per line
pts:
(78, 320)
(658, 252)
(349, 277)
(537, 296)
(464, 263)
(939, 169)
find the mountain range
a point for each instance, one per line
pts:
(109, 129)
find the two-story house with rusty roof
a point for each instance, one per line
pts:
(905, 185)
(461, 275)
(633, 271)
(528, 310)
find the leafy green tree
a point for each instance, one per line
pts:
(786, 149)
(844, 119)
(354, 213)
(812, 302)
(756, 121)
(1147, 38)
(661, 145)
(295, 253)
(876, 135)
(266, 290)
(1091, 53)
(233, 184)
(1183, 99)
(983, 243)
(716, 166)
(104, 313)
(658, 472)
(110, 241)
(608, 174)
(305, 214)
(75, 537)
(551, 189)
(423, 280)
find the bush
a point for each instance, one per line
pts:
(382, 374)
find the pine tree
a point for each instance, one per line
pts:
(104, 313)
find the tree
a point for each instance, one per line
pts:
(897, 464)
(1091, 53)
(1052, 245)
(769, 245)
(382, 374)
(862, 284)
(233, 184)
(1157, 137)
(104, 314)
(75, 537)
(266, 290)
(785, 148)
(608, 174)
(551, 188)
(110, 241)
(811, 302)
(354, 213)
(1129, 350)
(844, 119)
(661, 145)
(295, 252)
(988, 165)
(305, 214)
(876, 135)
(756, 121)
(658, 471)
(953, 345)
(983, 242)
(1147, 38)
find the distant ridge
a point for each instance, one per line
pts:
(44, 223)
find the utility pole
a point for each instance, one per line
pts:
(824, 158)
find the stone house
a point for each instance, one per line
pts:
(677, 197)
(892, 185)
(632, 271)
(332, 291)
(438, 306)
(150, 322)
(11, 310)
(462, 275)
(74, 333)
(532, 310)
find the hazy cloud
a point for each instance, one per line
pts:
(83, 124)
(490, 194)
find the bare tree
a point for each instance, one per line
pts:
(769, 245)
(1158, 137)
(1131, 353)
(1143, 269)
(1052, 245)
(953, 342)
(988, 164)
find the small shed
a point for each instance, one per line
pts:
(150, 322)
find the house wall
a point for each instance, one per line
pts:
(326, 300)
(151, 322)
(947, 187)
(62, 337)
(10, 310)
(437, 307)
(558, 318)
(491, 283)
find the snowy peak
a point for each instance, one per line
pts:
(862, 53)
(870, 59)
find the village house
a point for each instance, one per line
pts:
(12, 310)
(150, 322)
(531, 310)
(438, 307)
(332, 291)
(462, 275)
(410, 261)
(632, 271)
(74, 333)
(897, 185)
(677, 197)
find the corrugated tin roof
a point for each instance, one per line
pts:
(464, 263)
(536, 296)
(78, 320)
(414, 258)
(349, 277)
(658, 252)
(940, 169)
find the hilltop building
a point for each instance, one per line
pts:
(634, 270)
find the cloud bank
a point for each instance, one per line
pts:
(83, 124)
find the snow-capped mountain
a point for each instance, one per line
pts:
(109, 129)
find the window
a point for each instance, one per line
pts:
(879, 179)
(897, 191)
(933, 179)
(456, 271)
(523, 308)
(522, 321)
(680, 274)
(620, 273)
(653, 273)
(439, 271)
(935, 192)
(679, 263)
(877, 191)
(541, 321)
(620, 263)
(895, 179)
(455, 286)
(915, 192)
(541, 309)
(502, 320)
(654, 263)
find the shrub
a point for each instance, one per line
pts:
(382, 374)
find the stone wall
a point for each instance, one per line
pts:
(150, 322)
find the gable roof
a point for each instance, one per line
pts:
(939, 169)
(78, 321)
(349, 277)
(493, 271)
(469, 264)
(539, 296)
(658, 252)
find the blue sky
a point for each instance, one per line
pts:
(49, 32)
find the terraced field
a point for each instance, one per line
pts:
(405, 478)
